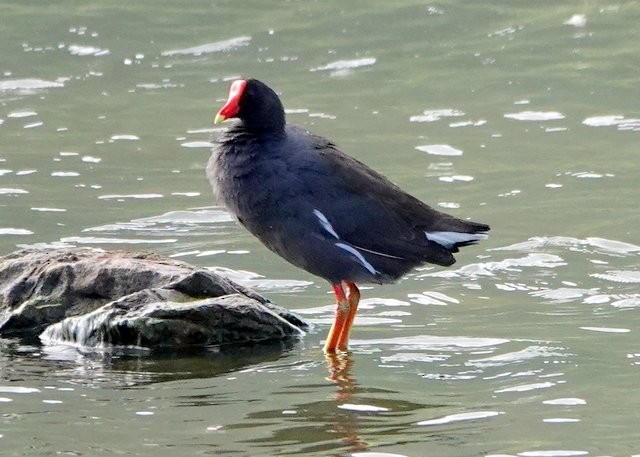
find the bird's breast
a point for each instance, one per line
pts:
(247, 184)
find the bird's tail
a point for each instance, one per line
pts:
(462, 234)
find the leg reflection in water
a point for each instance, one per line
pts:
(347, 425)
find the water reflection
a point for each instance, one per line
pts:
(346, 426)
(339, 419)
(135, 367)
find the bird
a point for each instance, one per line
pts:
(321, 209)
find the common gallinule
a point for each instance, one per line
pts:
(320, 209)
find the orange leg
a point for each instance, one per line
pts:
(353, 298)
(342, 311)
(346, 307)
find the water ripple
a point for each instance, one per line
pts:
(606, 329)
(432, 298)
(97, 240)
(167, 222)
(126, 137)
(259, 282)
(453, 178)
(21, 114)
(12, 191)
(553, 453)
(532, 352)
(440, 149)
(591, 244)
(124, 196)
(428, 342)
(526, 387)
(622, 276)
(208, 48)
(404, 357)
(616, 300)
(565, 401)
(363, 408)
(50, 210)
(533, 260)
(477, 123)
(461, 417)
(344, 67)
(197, 144)
(370, 303)
(28, 84)
(618, 121)
(81, 50)
(18, 390)
(562, 294)
(535, 116)
(436, 114)
(577, 20)
(376, 454)
(560, 420)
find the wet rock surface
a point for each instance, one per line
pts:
(116, 298)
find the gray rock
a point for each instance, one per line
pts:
(116, 298)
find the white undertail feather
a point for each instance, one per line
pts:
(450, 239)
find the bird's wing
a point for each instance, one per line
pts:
(371, 214)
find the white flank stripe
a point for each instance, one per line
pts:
(449, 239)
(379, 253)
(325, 223)
(358, 256)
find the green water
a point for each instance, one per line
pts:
(528, 346)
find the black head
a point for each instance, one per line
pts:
(256, 105)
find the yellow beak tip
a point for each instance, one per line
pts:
(219, 119)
